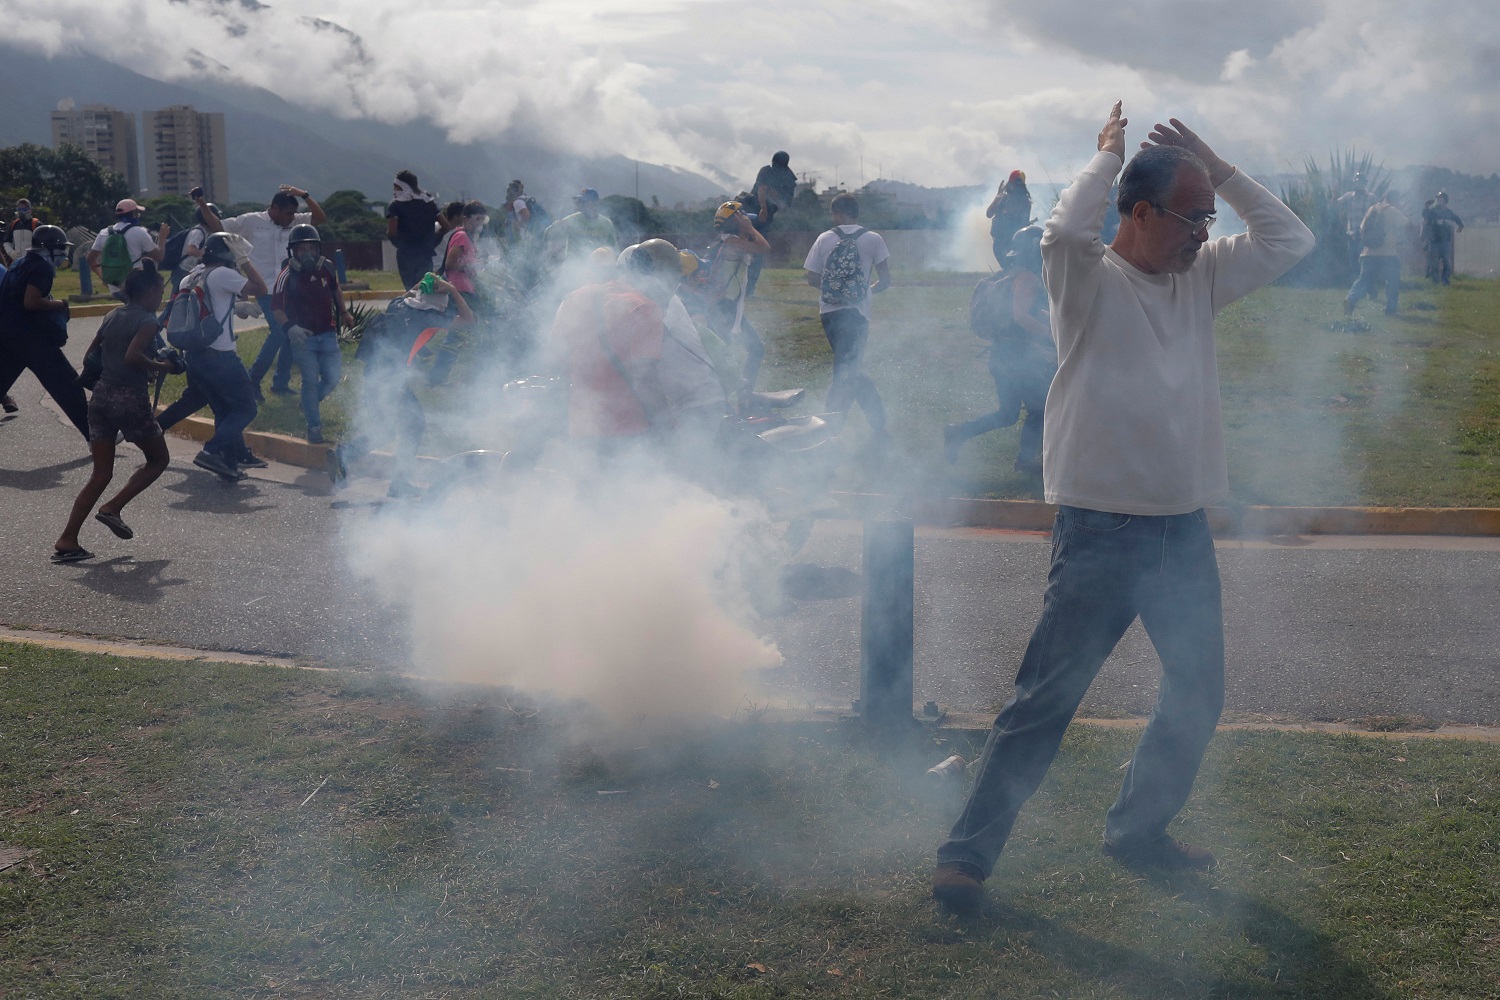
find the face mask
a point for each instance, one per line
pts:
(24, 213)
(55, 257)
(306, 260)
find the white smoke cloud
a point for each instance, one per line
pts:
(948, 92)
(628, 591)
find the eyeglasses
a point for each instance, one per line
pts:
(1194, 225)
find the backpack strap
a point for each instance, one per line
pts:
(208, 301)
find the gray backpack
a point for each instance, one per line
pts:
(191, 323)
(844, 282)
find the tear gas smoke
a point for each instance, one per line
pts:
(630, 592)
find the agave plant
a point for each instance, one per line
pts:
(362, 314)
(1314, 199)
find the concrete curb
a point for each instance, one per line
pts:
(1010, 515)
(290, 450)
(88, 310)
(969, 724)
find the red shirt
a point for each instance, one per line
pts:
(309, 300)
(601, 401)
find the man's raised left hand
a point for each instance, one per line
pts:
(1178, 134)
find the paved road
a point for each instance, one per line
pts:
(1336, 628)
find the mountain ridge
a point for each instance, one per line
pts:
(272, 141)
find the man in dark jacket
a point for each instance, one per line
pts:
(34, 326)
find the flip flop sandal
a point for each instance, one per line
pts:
(114, 523)
(70, 555)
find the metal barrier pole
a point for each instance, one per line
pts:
(887, 624)
(338, 266)
(85, 275)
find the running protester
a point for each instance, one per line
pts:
(216, 373)
(34, 326)
(121, 406)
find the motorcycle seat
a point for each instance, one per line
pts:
(798, 434)
(776, 400)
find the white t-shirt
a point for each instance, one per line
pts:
(688, 377)
(138, 239)
(224, 285)
(267, 239)
(872, 251)
(194, 239)
(1133, 422)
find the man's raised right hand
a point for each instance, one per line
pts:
(1112, 136)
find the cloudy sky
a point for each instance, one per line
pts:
(935, 92)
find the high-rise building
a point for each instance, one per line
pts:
(106, 134)
(186, 148)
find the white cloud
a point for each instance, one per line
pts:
(1235, 65)
(940, 92)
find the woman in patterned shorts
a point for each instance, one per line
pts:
(121, 405)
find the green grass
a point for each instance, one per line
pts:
(66, 282)
(460, 848)
(1403, 413)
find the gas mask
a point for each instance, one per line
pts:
(23, 213)
(55, 257)
(305, 256)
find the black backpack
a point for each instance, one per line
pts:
(540, 217)
(392, 337)
(172, 253)
(990, 305)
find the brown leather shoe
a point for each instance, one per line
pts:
(1162, 852)
(958, 887)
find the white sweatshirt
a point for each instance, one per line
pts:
(1133, 418)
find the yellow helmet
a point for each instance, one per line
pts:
(725, 212)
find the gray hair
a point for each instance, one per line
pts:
(1150, 174)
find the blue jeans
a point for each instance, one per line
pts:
(274, 349)
(221, 379)
(321, 365)
(1017, 383)
(1107, 569)
(1372, 271)
(847, 330)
